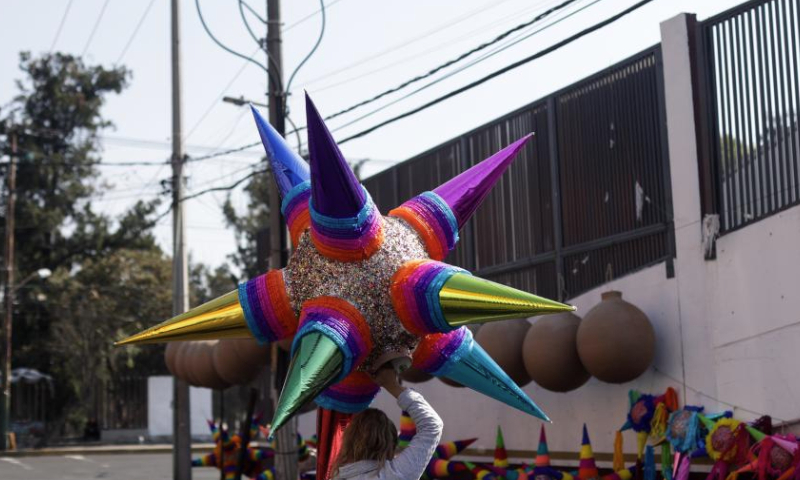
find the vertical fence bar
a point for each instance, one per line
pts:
(742, 119)
(555, 182)
(666, 173)
(794, 24)
(784, 123)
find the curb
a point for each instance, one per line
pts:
(103, 450)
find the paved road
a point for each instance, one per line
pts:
(85, 467)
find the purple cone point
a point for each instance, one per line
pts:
(465, 192)
(335, 190)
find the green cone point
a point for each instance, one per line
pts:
(316, 364)
(467, 300)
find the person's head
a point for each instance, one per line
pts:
(370, 436)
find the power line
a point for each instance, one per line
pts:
(310, 15)
(256, 14)
(94, 28)
(275, 76)
(313, 49)
(476, 61)
(455, 60)
(416, 56)
(223, 46)
(405, 43)
(499, 72)
(60, 26)
(135, 32)
(219, 97)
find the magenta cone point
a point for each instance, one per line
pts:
(465, 192)
(335, 190)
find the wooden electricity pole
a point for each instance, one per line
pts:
(181, 434)
(8, 298)
(286, 453)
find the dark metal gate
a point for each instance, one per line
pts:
(751, 67)
(588, 197)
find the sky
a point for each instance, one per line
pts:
(368, 46)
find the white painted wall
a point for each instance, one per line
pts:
(159, 408)
(726, 329)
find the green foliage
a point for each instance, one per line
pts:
(109, 278)
(247, 224)
(106, 298)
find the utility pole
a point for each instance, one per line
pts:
(286, 453)
(181, 434)
(11, 196)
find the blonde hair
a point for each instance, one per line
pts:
(370, 436)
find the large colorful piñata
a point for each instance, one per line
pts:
(361, 287)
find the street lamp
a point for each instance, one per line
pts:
(5, 405)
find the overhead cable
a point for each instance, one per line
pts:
(498, 72)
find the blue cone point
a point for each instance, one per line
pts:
(335, 190)
(289, 169)
(476, 370)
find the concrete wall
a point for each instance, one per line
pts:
(726, 329)
(159, 408)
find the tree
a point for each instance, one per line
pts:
(109, 297)
(94, 293)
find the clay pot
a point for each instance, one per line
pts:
(412, 375)
(204, 371)
(616, 341)
(170, 354)
(185, 363)
(239, 360)
(550, 353)
(503, 342)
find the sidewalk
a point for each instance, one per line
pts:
(103, 450)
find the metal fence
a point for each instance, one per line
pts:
(751, 70)
(588, 197)
(122, 404)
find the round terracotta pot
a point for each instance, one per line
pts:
(170, 355)
(550, 353)
(204, 371)
(412, 375)
(503, 342)
(238, 361)
(616, 341)
(186, 363)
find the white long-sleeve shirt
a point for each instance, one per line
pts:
(411, 462)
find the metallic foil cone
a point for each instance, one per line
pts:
(220, 318)
(316, 365)
(288, 168)
(467, 300)
(478, 371)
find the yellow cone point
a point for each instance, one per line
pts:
(467, 300)
(316, 365)
(219, 318)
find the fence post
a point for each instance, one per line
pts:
(682, 124)
(555, 189)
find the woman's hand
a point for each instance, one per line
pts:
(387, 378)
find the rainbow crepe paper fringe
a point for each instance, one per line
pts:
(352, 395)
(430, 216)
(294, 208)
(349, 239)
(415, 295)
(407, 429)
(267, 308)
(342, 323)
